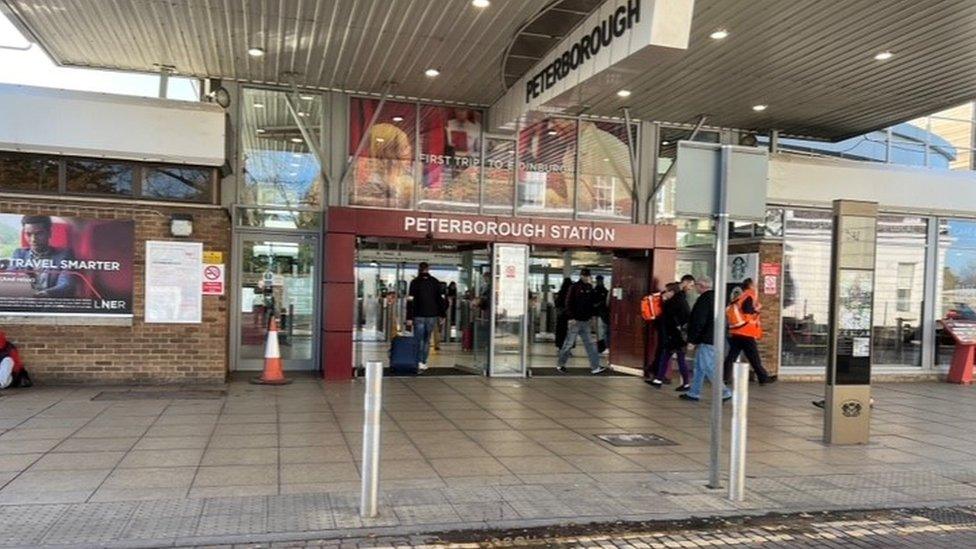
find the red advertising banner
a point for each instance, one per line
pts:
(65, 265)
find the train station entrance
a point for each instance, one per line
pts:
(501, 278)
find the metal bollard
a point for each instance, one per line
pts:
(371, 439)
(740, 409)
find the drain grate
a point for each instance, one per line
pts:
(635, 439)
(186, 394)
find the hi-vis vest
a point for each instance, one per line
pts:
(651, 306)
(740, 322)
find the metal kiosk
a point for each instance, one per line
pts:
(848, 392)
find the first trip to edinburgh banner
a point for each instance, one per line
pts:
(65, 265)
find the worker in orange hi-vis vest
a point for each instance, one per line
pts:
(743, 335)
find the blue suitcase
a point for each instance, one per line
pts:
(403, 355)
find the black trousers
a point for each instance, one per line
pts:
(747, 345)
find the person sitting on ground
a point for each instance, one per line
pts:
(12, 371)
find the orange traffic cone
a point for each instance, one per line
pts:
(273, 373)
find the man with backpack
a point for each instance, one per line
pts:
(580, 309)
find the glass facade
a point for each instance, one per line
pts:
(279, 167)
(806, 287)
(955, 280)
(430, 157)
(899, 283)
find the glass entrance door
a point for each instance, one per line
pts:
(277, 279)
(509, 319)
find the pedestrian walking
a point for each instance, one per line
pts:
(745, 330)
(562, 318)
(425, 304)
(672, 341)
(701, 326)
(579, 308)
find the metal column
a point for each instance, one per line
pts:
(721, 260)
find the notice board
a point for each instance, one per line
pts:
(173, 281)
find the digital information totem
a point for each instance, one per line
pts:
(848, 392)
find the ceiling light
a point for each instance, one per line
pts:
(606, 160)
(380, 140)
(884, 56)
(307, 97)
(259, 105)
(398, 119)
(719, 34)
(623, 93)
(551, 132)
(481, 3)
(302, 114)
(296, 155)
(759, 108)
(255, 52)
(296, 139)
(432, 73)
(665, 143)
(260, 130)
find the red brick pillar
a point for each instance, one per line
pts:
(338, 299)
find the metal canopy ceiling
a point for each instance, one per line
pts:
(810, 62)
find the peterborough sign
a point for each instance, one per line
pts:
(443, 226)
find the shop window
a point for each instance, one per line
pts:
(21, 172)
(899, 278)
(806, 287)
(97, 177)
(547, 167)
(280, 168)
(178, 183)
(606, 180)
(499, 175)
(382, 155)
(956, 281)
(450, 158)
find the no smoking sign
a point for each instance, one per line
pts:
(213, 279)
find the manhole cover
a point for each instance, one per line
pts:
(636, 439)
(189, 394)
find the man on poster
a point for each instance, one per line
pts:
(43, 261)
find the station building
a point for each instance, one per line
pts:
(338, 144)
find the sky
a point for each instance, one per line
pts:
(33, 67)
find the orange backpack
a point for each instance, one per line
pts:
(734, 317)
(651, 306)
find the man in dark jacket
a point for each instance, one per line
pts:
(701, 326)
(425, 304)
(580, 309)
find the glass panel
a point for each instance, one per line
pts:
(277, 282)
(547, 162)
(279, 167)
(22, 172)
(179, 183)
(899, 282)
(806, 287)
(94, 177)
(499, 175)
(278, 219)
(510, 307)
(382, 175)
(956, 283)
(450, 154)
(606, 179)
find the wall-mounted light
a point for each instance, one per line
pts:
(181, 225)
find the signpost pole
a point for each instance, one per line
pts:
(718, 336)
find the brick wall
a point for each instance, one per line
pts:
(140, 353)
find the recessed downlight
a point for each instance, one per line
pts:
(665, 143)
(307, 97)
(551, 132)
(380, 140)
(883, 56)
(303, 114)
(260, 130)
(432, 73)
(719, 34)
(623, 93)
(259, 105)
(759, 108)
(481, 3)
(397, 119)
(296, 139)
(255, 52)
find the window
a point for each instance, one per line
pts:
(899, 277)
(606, 177)
(280, 167)
(450, 156)
(806, 287)
(382, 155)
(21, 172)
(956, 280)
(177, 183)
(97, 177)
(499, 174)
(906, 277)
(547, 167)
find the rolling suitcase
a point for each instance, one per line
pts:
(403, 355)
(467, 338)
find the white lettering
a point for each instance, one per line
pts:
(504, 229)
(466, 226)
(455, 225)
(492, 228)
(574, 233)
(479, 227)
(611, 235)
(409, 222)
(423, 224)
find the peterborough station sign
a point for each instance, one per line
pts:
(448, 226)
